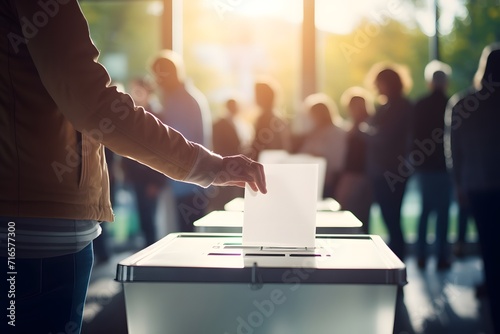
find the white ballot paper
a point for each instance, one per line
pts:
(283, 157)
(286, 215)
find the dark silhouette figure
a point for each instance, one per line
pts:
(431, 175)
(227, 142)
(271, 129)
(146, 185)
(354, 192)
(387, 147)
(464, 218)
(472, 130)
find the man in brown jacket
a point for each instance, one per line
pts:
(57, 112)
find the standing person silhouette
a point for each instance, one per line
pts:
(186, 109)
(226, 141)
(58, 111)
(387, 146)
(474, 154)
(271, 129)
(431, 174)
(354, 191)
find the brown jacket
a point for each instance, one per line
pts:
(57, 110)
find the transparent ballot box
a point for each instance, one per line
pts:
(211, 283)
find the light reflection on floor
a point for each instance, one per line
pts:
(445, 301)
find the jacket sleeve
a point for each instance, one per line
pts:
(57, 36)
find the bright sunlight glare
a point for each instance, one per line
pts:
(290, 10)
(448, 11)
(341, 17)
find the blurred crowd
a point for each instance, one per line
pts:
(374, 140)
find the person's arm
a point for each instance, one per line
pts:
(67, 63)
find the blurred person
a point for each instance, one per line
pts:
(271, 129)
(142, 90)
(186, 109)
(145, 182)
(463, 220)
(473, 153)
(326, 139)
(431, 174)
(354, 192)
(227, 141)
(387, 147)
(58, 111)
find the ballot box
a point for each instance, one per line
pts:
(327, 222)
(211, 283)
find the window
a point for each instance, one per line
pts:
(127, 34)
(227, 43)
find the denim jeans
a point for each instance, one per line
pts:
(49, 293)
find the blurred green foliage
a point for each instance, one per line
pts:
(129, 28)
(463, 46)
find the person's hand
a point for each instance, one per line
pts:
(238, 170)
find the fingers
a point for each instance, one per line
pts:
(260, 180)
(254, 187)
(239, 170)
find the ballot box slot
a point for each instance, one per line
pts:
(225, 254)
(268, 248)
(270, 251)
(241, 247)
(265, 254)
(306, 255)
(268, 254)
(288, 249)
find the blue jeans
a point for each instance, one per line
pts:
(49, 293)
(435, 194)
